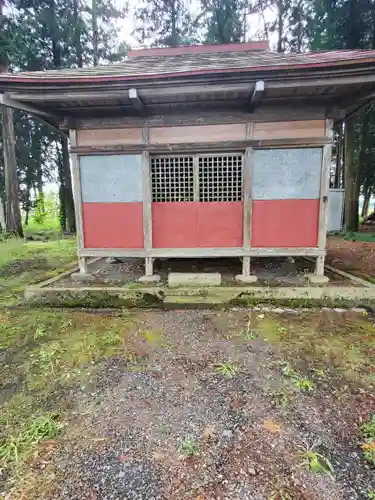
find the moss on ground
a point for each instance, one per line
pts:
(47, 354)
(342, 345)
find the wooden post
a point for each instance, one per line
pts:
(77, 197)
(324, 190)
(147, 219)
(247, 216)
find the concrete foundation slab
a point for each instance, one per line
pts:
(193, 279)
(315, 279)
(242, 278)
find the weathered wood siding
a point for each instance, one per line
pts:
(198, 133)
(289, 129)
(109, 137)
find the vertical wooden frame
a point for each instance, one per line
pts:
(196, 177)
(77, 194)
(247, 198)
(247, 208)
(324, 191)
(147, 202)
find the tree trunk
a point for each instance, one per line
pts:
(69, 201)
(366, 202)
(94, 22)
(280, 27)
(77, 34)
(13, 223)
(2, 215)
(351, 179)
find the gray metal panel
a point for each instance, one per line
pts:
(335, 209)
(287, 173)
(111, 178)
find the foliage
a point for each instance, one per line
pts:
(18, 448)
(227, 370)
(297, 380)
(189, 447)
(317, 463)
(368, 447)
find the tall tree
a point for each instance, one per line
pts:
(164, 22)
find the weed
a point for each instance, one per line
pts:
(17, 448)
(319, 373)
(279, 494)
(303, 383)
(189, 447)
(279, 398)
(39, 333)
(111, 338)
(368, 429)
(227, 370)
(315, 462)
(281, 329)
(368, 447)
(371, 494)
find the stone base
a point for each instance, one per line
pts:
(315, 279)
(242, 278)
(152, 278)
(193, 279)
(82, 277)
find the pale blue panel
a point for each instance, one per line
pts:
(335, 209)
(286, 173)
(111, 178)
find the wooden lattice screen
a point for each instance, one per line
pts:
(206, 178)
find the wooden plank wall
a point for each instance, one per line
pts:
(191, 134)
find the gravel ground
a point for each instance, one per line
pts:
(124, 438)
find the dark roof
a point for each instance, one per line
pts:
(163, 66)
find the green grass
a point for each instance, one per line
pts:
(356, 236)
(26, 262)
(49, 354)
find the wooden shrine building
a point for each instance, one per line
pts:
(200, 151)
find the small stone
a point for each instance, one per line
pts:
(251, 471)
(112, 260)
(121, 474)
(278, 310)
(326, 309)
(227, 433)
(339, 310)
(290, 311)
(360, 310)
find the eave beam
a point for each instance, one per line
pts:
(28, 108)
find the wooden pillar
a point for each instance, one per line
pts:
(247, 217)
(77, 197)
(149, 275)
(324, 191)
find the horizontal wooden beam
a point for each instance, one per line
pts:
(202, 147)
(202, 252)
(13, 103)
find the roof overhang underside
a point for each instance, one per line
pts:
(345, 87)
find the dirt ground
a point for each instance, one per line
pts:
(191, 404)
(352, 256)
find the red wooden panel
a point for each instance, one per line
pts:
(113, 225)
(197, 225)
(285, 223)
(220, 224)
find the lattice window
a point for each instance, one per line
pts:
(197, 178)
(220, 178)
(172, 178)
